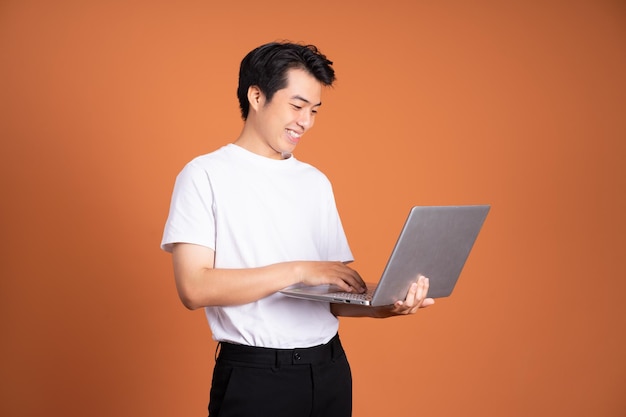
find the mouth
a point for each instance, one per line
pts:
(293, 136)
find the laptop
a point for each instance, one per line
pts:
(435, 241)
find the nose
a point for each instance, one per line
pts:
(305, 120)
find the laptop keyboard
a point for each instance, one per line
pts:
(353, 296)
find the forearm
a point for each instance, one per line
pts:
(352, 310)
(223, 287)
(199, 284)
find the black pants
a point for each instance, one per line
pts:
(258, 382)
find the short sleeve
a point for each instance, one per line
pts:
(191, 217)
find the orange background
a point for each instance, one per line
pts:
(520, 105)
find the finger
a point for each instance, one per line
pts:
(415, 296)
(422, 290)
(356, 280)
(426, 286)
(342, 282)
(412, 294)
(347, 283)
(398, 308)
(427, 302)
(417, 291)
(352, 278)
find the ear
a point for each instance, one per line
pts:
(255, 97)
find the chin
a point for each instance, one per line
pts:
(289, 148)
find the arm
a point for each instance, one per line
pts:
(199, 284)
(415, 299)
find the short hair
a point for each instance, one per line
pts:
(266, 67)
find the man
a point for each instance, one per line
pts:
(248, 220)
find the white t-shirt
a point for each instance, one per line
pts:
(255, 211)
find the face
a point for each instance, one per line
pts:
(280, 124)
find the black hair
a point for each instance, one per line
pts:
(266, 67)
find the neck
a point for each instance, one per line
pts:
(251, 140)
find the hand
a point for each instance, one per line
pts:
(415, 299)
(333, 273)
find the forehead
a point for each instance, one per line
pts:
(301, 83)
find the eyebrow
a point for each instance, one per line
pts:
(297, 97)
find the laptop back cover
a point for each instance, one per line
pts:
(435, 242)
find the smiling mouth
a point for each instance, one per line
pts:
(293, 135)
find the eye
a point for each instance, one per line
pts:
(296, 107)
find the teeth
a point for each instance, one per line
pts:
(293, 134)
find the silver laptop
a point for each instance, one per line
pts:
(435, 242)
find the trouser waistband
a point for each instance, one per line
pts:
(275, 357)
